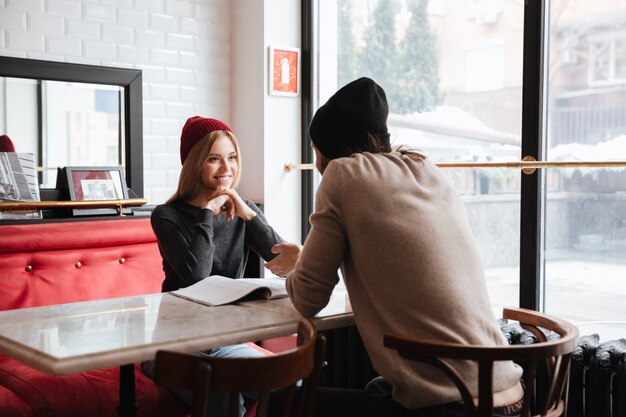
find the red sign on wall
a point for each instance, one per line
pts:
(284, 71)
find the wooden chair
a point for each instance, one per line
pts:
(555, 353)
(204, 374)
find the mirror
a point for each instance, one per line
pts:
(73, 114)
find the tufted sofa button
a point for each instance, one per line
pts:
(28, 268)
(122, 260)
(78, 264)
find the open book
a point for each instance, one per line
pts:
(18, 183)
(217, 290)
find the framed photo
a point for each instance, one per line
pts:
(95, 183)
(284, 74)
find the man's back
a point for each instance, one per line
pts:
(409, 262)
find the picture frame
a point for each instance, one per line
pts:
(284, 72)
(94, 183)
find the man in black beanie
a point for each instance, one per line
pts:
(394, 224)
(344, 124)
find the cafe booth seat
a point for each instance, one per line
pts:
(13, 406)
(65, 262)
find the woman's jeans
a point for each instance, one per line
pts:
(218, 401)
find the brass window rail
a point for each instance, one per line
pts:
(117, 204)
(528, 165)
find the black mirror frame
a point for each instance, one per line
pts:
(129, 79)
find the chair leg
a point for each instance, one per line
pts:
(201, 393)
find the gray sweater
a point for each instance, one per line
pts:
(194, 243)
(399, 231)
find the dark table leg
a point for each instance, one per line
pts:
(128, 403)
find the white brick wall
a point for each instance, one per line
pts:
(181, 46)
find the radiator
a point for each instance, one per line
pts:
(598, 378)
(597, 386)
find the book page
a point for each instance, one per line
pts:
(218, 290)
(276, 285)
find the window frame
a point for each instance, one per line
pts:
(534, 130)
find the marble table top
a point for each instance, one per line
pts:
(69, 338)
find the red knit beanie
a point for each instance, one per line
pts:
(6, 145)
(196, 128)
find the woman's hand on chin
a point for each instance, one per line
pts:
(240, 208)
(222, 204)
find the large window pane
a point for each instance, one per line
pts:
(585, 208)
(452, 71)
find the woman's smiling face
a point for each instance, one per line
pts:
(220, 168)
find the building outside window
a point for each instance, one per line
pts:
(453, 75)
(607, 58)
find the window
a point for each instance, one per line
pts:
(436, 7)
(556, 240)
(607, 58)
(447, 98)
(484, 11)
(585, 208)
(484, 69)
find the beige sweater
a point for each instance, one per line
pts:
(400, 234)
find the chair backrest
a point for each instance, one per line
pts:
(555, 353)
(203, 375)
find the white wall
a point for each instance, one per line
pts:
(268, 126)
(206, 57)
(282, 126)
(182, 47)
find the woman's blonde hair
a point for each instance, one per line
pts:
(190, 179)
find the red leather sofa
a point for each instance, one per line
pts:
(64, 262)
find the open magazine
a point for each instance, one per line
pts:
(218, 290)
(18, 182)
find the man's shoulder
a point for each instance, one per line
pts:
(341, 166)
(366, 164)
(346, 175)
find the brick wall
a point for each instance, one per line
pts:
(182, 47)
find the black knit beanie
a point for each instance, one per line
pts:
(342, 126)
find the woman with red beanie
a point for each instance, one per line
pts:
(206, 228)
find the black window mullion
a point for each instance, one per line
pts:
(306, 47)
(533, 131)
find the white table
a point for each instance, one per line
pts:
(85, 336)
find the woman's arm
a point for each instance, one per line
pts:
(260, 236)
(190, 256)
